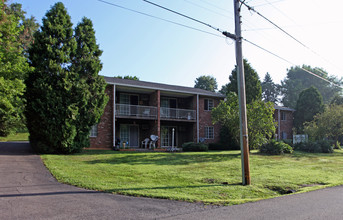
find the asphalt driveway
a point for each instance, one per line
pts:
(28, 191)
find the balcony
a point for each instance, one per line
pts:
(136, 111)
(175, 113)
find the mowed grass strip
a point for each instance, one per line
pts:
(209, 177)
(15, 137)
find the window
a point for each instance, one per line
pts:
(283, 116)
(209, 132)
(94, 131)
(208, 105)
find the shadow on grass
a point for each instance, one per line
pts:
(136, 158)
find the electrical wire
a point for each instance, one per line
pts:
(217, 29)
(186, 16)
(281, 29)
(268, 3)
(277, 26)
(207, 9)
(274, 54)
(159, 18)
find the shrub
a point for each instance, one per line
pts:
(218, 146)
(190, 146)
(227, 140)
(322, 146)
(274, 147)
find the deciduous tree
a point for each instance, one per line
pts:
(309, 104)
(328, 124)
(298, 79)
(13, 67)
(208, 83)
(261, 125)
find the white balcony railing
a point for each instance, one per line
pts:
(137, 111)
(175, 113)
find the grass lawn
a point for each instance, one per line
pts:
(16, 137)
(209, 177)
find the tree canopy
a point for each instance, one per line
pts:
(127, 77)
(65, 95)
(309, 104)
(298, 79)
(208, 83)
(328, 124)
(261, 125)
(252, 83)
(270, 90)
(13, 68)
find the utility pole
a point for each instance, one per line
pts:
(242, 98)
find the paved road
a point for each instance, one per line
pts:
(28, 191)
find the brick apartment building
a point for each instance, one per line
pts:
(138, 109)
(284, 118)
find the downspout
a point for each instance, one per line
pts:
(278, 124)
(114, 115)
(198, 118)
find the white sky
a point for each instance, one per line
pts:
(162, 52)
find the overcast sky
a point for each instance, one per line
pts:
(159, 51)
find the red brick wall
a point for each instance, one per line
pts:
(205, 120)
(105, 126)
(285, 125)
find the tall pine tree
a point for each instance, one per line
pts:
(91, 87)
(60, 91)
(253, 87)
(270, 90)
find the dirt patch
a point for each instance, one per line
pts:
(282, 191)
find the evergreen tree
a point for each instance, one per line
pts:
(65, 96)
(270, 90)
(253, 87)
(13, 67)
(207, 83)
(90, 87)
(309, 104)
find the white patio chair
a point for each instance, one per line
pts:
(145, 142)
(153, 141)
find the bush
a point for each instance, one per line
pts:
(322, 146)
(218, 146)
(274, 147)
(227, 140)
(190, 146)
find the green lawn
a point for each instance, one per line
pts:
(16, 137)
(209, 177)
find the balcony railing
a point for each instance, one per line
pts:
(175, 113)
(137, 111)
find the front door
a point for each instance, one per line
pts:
(129, 134)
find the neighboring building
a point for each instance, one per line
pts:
(138, 109)
(284, 118)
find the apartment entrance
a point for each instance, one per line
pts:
(129, 134)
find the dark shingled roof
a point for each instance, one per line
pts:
(284, 108)
(159, 86)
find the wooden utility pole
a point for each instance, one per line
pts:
(242, 98)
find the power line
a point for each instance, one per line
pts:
(281, 29)
(277, 26)
(159, 18)
(268, 3)
(274, 54)
(207, 9)
(186, 16)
